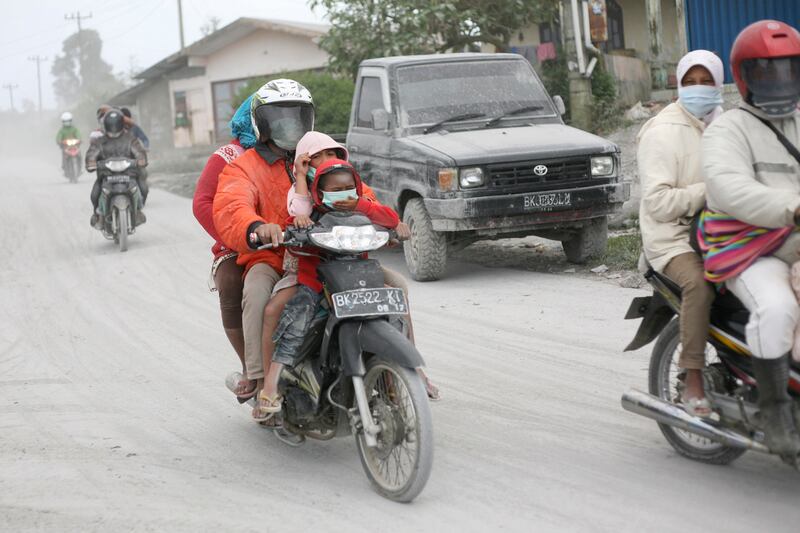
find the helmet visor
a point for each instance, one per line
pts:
(774, 78)
(287, 123)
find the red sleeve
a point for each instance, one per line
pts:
(203, 203)
(378, 213)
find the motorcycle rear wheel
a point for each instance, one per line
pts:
(663, 374)
(399, 467)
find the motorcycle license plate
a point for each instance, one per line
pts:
(369, 302)
(547, 201)
(122, 178)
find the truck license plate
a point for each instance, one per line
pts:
(369, 302)
(544, 201)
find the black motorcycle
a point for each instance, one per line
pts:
(728, 378)
(120, 205)
(356, 373)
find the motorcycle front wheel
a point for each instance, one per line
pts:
(122, 229)
(664, 383)
(400, 465)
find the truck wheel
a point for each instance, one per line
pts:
(589, 242)
(426, 250)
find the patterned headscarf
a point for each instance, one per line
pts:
(241, 126)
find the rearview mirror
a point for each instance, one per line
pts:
(560, 107)
(380, 119)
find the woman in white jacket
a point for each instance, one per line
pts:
(673, 192)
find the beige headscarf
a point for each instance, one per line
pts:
(712, 63)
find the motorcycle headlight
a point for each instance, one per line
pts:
(350, 239)
(72, 142)
(118, 166)
(471, 177)
(602, 166)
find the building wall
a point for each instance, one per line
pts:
(264, 52)
(259, 54)
(155, 116)
(637, 33)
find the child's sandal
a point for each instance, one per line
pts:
(267, 406)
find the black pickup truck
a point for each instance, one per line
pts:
(469, 147)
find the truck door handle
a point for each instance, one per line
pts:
(353, 148)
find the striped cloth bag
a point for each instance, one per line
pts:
(730, 246)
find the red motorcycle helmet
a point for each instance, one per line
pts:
(765, 59)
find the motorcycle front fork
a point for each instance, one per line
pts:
(368, 426)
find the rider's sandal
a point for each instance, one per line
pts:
(235, 381)
(267, 407)
(700, 407)
(432, 390)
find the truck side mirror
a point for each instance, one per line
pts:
(380, 119)
(560, 107)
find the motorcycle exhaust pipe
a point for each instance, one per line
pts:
(657, 409)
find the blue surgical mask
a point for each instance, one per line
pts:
(312, 172)
(330, 197)
(700, 100)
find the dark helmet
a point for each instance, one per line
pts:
(765, 60)
(113, 123)
(282, 111)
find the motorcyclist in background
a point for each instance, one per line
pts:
(116, 141)
(139, 134)
(137, 131)
(67, 131)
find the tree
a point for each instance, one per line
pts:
(83, 80)
(361, 29)
(332, 97)
(211, 25)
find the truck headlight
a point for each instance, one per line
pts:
(602, 166)
(471, 177)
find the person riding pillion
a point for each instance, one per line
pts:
(751, 166)
(116, 141)
(673, 192)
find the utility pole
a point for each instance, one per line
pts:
(11, 87)
(180, 23)
(78, 17)
(38, 60)
(580, 86)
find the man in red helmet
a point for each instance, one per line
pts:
(752, 176)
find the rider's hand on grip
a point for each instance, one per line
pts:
(271, 235)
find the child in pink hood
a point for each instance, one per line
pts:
(313, 149)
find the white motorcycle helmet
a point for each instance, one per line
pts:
(282, 111)
(66, 118)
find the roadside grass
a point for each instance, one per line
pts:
(622, 251)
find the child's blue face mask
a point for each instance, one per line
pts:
(330, 197)
(310, 174)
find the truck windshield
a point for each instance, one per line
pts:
(432, 93)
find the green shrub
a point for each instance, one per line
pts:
(332, 97)
(622, 251)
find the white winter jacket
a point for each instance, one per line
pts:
(673, 191)
(750, 175)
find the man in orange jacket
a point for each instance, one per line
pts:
(251, 198)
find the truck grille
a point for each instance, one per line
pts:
(560, 173)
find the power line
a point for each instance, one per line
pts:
(38, 60)
(11, 87)
(76, 16)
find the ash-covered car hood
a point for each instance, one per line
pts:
(485, 146)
